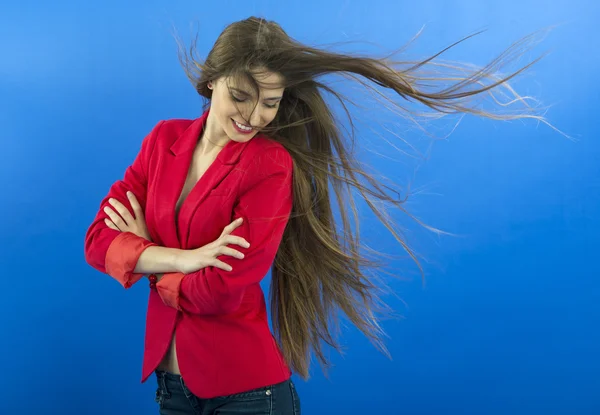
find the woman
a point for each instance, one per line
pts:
(210, 205)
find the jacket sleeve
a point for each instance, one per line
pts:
(112, 252)
(265, 203)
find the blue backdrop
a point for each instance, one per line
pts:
(507, 321)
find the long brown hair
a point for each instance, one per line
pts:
(321, 267)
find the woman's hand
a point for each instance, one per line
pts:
(206, 256)
(124, 221)
(187, 261)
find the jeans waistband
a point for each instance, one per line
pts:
(167, 375)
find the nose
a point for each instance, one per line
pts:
(256, 117)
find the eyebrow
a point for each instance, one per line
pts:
(248, 95)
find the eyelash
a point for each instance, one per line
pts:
(241, 100)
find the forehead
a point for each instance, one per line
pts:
(267, 81)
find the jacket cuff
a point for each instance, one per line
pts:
(122, 257)
(168, 288)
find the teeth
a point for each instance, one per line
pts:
(242, 127)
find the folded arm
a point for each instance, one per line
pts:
(110, 251)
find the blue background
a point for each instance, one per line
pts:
(507, 320)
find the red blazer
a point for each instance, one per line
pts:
(224, 344)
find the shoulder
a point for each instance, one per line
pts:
(177, 124)
(266, 161)
(176, 134)
(265, 153)
(167, 129)
(173, 127)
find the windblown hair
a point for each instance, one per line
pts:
(320, 269)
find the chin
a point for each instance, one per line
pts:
(240, 138)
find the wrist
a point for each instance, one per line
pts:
(177, 260)
(158, 259)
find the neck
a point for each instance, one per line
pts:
(213, 136)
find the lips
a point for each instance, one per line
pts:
(240, 130)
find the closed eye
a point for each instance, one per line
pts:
(240, 100)
(236, 99)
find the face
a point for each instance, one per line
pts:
(237, 113)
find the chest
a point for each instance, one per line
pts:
(198, 166)
(191, 198)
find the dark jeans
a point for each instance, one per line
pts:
(174, 398)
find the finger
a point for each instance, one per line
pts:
(231, 252)
(116, 219)
(232, 226)
(135, 205)
(111, 225)
(221, 265)
(123, 211)
(236, 240)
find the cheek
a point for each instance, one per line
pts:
(222, 104)
(269, 117)
(226, 113)
(229, 110)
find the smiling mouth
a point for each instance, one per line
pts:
(242, 128)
